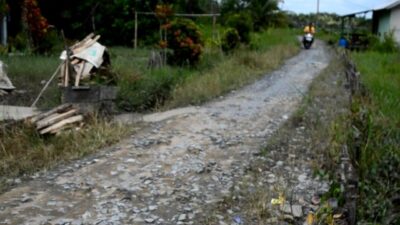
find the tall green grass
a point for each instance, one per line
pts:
(375, 140)
(381, 75)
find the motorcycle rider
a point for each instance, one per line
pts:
(309, 29)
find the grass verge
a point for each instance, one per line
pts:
(23, 151)
(375, 138)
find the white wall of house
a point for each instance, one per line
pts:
(395, 22)
(384, 24)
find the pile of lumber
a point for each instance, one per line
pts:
(81, 60)
(58, 119)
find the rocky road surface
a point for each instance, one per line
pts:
(180, 164)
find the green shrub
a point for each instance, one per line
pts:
(230, 40)
(185, 42)
(388, 44)
(243, 24)
(19, 42)
(51, 44)
(147, 91)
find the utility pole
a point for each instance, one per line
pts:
(317, 16)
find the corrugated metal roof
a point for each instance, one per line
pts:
(388, 5)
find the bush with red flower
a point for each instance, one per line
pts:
(185, 42)
(36, 24)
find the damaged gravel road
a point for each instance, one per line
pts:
(178, 166)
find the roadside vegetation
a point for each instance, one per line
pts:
(372, 132)
(375, 137)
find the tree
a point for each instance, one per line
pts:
(262, 11)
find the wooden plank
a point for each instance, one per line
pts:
(62, 123)
(66, 127)
(86, 45)
(79, 74)
(66, 73)
(54, 119)
(75, 61)
(61, 108)
(80, 43)
(48, 117)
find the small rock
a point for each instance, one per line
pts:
(215, 178)
(297, 211)
(333, 203)
(302, 178)
(113, 173)
(182, 217)
(220, 217)
(130, 160)
(26, 199)
(138, 220)
(288, 218)
(316, 200)
(188, 209)
(152, 207)
(147, 182)
(286, 208)
(194, 149)
(149, 220)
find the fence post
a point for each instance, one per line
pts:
(136, 27)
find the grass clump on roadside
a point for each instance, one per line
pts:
(23, 151)
(375, 138)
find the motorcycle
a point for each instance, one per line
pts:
(308, 39)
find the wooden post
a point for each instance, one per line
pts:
(136, 28)
(213, 26)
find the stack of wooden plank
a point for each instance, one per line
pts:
(74, 67)
(61, 118)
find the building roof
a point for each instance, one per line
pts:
(387, 6)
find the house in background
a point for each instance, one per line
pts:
(386, 19)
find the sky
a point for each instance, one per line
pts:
(341, 7)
